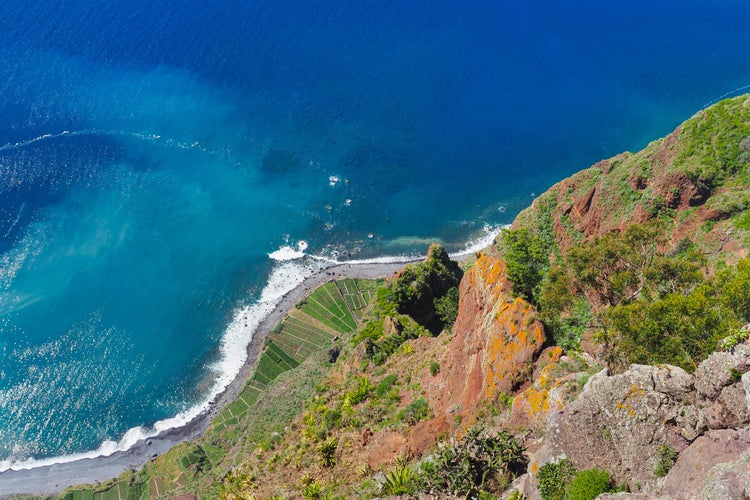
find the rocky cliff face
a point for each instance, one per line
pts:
(495, 340)
(627, 424)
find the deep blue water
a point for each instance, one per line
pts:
(153, 155)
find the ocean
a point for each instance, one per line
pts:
(168, 170)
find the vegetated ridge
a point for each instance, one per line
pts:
(600, 345)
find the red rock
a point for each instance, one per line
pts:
(495, 339)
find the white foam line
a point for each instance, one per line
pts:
(395, 259)
(483, 241)
(285, 277)
(18, 217)
(725, 94)
(137, 135)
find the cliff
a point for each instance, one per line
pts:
(599, 345)
(696, 177)
(495, 339)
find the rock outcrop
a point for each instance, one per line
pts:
(691, 474)
(557, 381)
(619, 423)
(495, 339)
(624, 423)
(721, 394)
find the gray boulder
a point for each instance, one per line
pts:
(721, 394)
(710, 466)
(619, 423)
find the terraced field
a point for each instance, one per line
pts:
(331, 310)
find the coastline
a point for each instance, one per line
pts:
(52, 479)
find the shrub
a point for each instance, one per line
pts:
(327, 451)
(360, 393)
(312, 491)
(434, 368)
(331, 418)
(736, 336)
(553, 479)
(479, 463)
(399, 481)
(667, 458)
(589, 484)
(417, 411)
(446, 307)
(527, 261)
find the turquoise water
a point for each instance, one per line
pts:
(155, 159)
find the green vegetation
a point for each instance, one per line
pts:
(415, 412)
(560, 481)
(554, 478)
(735, 337)
(327, 451)
(479, 463)
(589, 484)
(446, 307)
(400, 481)
(712, 143)
(130, 487)
(667, 458)
(647, 306)
(422, 301)
(425, 291)
(527, 259)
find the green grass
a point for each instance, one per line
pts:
(335, 307)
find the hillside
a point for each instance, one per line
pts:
(600, 345)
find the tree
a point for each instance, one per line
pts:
(527, 262)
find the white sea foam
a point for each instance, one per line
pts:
(489, 233)
(285, 277)
(288, 252)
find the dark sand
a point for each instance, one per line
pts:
(53, 479)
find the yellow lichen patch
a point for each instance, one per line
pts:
(538, 401)
(545, 377)
(553, 355)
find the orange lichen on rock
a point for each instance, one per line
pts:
(495, 337)
(533, 404)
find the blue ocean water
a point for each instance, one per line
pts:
(153, 155)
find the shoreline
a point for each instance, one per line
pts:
(54, 478)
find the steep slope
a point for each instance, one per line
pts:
(696, 178)
(495, 340)
(644, 253)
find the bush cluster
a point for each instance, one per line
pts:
(647, 306)
(480, 463)
(561, 481)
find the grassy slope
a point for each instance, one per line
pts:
(707, 151)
